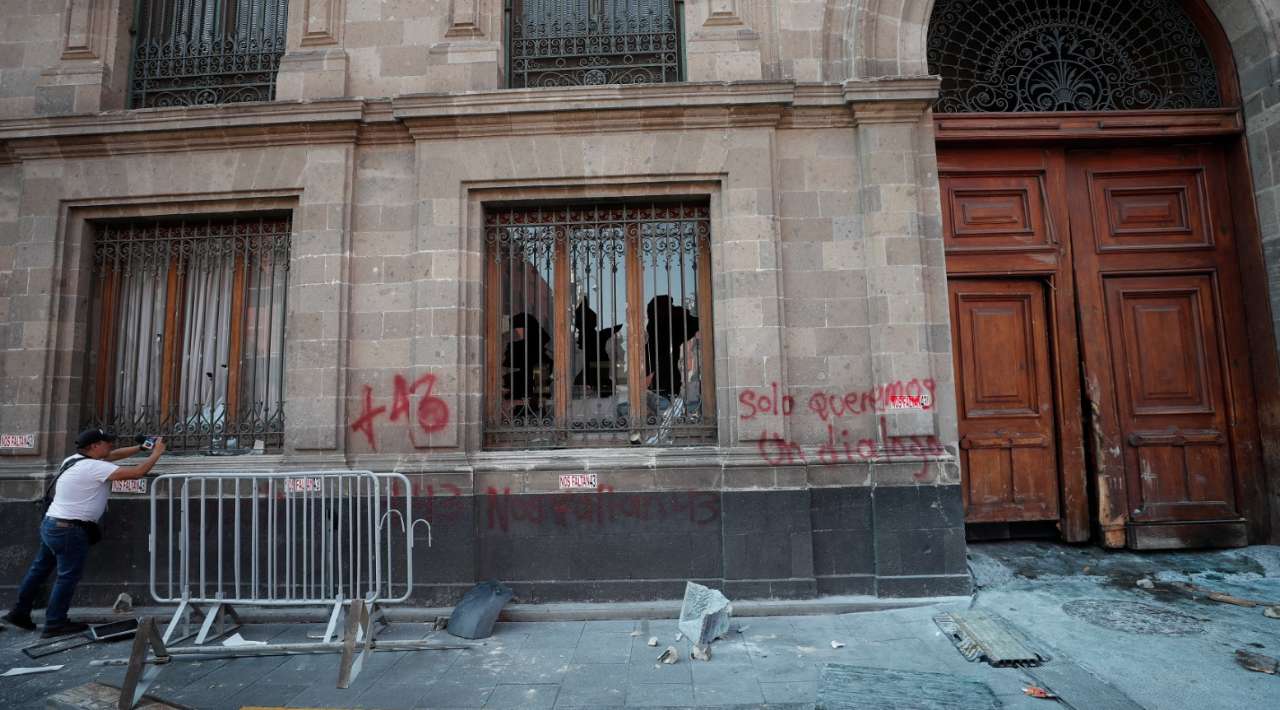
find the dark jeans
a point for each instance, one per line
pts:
(63, 548)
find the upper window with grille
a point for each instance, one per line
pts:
(577, 42)
(187, 332)
(599, 326)
(191, 52)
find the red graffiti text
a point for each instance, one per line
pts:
(432, 413)
(839, 448)
(914, 393)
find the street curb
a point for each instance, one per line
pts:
(577, 611)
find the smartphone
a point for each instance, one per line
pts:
(148, 443)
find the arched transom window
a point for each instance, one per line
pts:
(1069, 55)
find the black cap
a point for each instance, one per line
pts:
(89, 437)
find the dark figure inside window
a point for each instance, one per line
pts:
(667, 329)
(597, 372)
(528, 363)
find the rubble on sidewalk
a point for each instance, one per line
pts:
(669, 656)
(475, 615)
(1036, 691)
(30, 671)
(124, 604)
(1257, 662)
(704, 614)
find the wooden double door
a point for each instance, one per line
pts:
(1101, 357)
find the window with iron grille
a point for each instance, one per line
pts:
(190, 52)
(575, 42)
(599, 326)
(187, 331)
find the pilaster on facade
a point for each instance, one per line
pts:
(315, 66)
(92, 64)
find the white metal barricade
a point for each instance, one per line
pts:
(295, 538)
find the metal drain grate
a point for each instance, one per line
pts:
(983, 635)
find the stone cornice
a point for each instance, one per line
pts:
(594, 109)
(583, 109)
(182, 129)
(891, 100)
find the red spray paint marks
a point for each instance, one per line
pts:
(839, 448)
(432, 412)
(834, 405)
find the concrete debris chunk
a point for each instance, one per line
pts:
(124, 604)
(653, 641)
(679, 636)
(29, 671)
(1257, 662)
(837, 644)
(705, 614)
(669, 656)
(700, 653)
(1145, 583)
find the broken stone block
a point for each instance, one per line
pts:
(124, 604)
(700, 653)
(669, 656)
(705, 614)
(653, 640)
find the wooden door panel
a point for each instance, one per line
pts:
(1164, 343)
(1151, 210)
(1007, 448)
(1157, 292)
(995, 211)
(1164, 335)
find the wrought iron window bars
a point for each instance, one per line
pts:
(188, 326)
(190, 52)
(1069, 55)
(583, 42)
(598, 326)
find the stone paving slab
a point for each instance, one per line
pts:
(773, 662)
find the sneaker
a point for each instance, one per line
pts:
(20, 620)
(63, 629)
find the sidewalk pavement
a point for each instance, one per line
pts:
(776, 661)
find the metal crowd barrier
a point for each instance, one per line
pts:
(294, 538)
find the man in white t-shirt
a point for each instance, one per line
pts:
(79, 499)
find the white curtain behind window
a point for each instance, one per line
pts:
(204, 372)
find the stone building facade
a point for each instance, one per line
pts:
(800, 134)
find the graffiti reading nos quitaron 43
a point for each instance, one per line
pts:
(835, 409)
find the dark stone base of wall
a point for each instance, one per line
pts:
(607, 546)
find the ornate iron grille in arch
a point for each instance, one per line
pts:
(574, 42)
(598, 326)
(1069, 55)
(190, 52)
